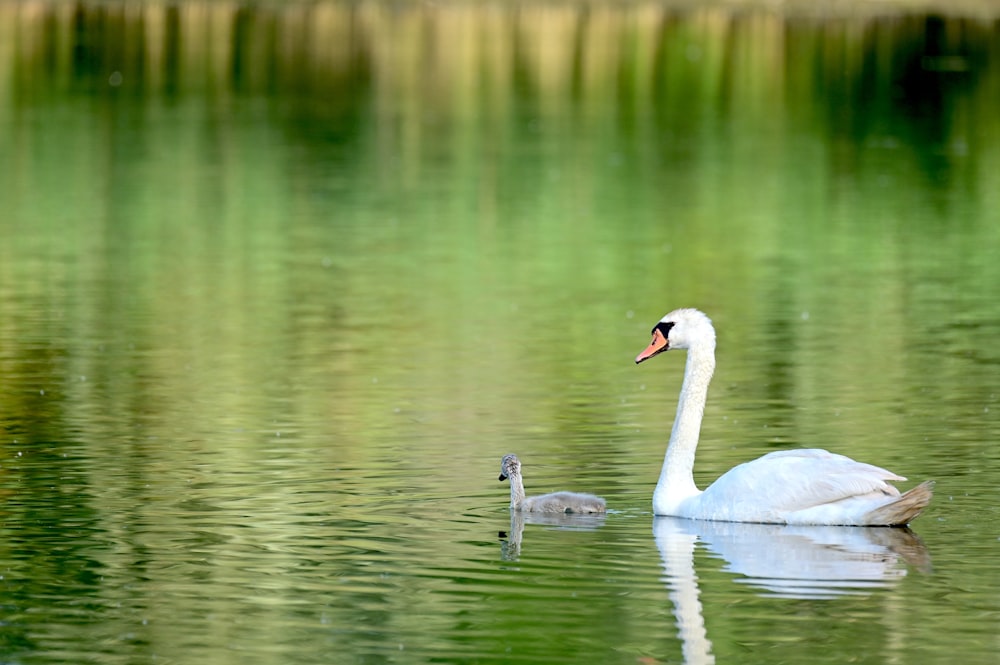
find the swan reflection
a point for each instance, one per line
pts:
(800, 561)
(816, 562)
(511, 540)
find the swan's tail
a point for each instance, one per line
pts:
(905, 509)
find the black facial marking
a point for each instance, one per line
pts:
(664, 328)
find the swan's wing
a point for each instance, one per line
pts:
(791, 480)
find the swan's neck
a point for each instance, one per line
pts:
(677, 477)
(516, 491)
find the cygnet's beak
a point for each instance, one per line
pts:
(658, 345)
(503, 476)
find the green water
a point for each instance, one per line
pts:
(281, 283)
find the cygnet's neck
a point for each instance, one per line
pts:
(516, 490)
(677, 476)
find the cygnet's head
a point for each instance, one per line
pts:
(509, 466)
(680, 329)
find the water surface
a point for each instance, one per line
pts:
(281, 283)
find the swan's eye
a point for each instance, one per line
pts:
(664, 328)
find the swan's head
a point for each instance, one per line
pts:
(680, 329)
(509, 466)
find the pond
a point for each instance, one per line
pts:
(280, 284)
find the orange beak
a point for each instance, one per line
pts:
(658, 345)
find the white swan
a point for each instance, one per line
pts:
(807, 486)
(557, 502)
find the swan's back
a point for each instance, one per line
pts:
(564, 502)
(810, 486)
